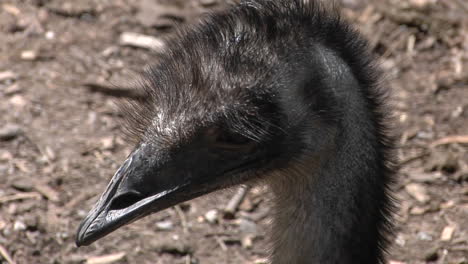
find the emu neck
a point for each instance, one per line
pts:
(331, 206)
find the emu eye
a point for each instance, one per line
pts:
(226, 139)
(232, 138)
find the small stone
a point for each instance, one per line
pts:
(423, 236)
(18, 100)
(19, 226)
(400, 240)
(247, 226)
(31, 222)
(9, 132)
(108, 143)
(212, 216)
(418, 192)
(432, 255)
(247, 241)
(50, 35)
(28, 55)
(165, 225)
(23, 184)
(261, 261)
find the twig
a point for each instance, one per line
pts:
(413, 158)
(183, 219)
(232, 205)
(20, 196)
(141, 41)
(47, 191)
(450, 139)
(221, 244)
(112, 90)
(106, 259)
(5, 255)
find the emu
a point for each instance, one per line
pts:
(283, 93)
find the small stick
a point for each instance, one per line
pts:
(141, 41)
(221, 244)
(106, 259)
(20, 196)
(235, 201)
(5, 255)
(183, 219)
(450, 139)
(413, 158)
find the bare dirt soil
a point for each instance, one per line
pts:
(60, 138)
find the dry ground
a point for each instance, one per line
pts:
(60, 139)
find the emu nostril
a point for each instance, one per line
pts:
(125, 200)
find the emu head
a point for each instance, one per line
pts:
(215, 113)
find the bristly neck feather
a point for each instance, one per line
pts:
(333, 206)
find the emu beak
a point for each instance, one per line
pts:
(145, 184)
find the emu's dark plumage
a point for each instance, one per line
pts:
(282, 92)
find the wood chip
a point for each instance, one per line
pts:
(11, 9)
(106, 259)
(47, 191)
(7, 75)
(20, 196)
(233, 204)
(418, 192)
(6, 256)
(141, 41)
(447, 233)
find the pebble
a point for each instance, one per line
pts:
(18, 100)
(19, 226)
(432, 255)
(165, 225)
(108, 143)
(400, 240)
(212, 216)
(247, 226)
(28, 55)
(9, 132)
(22, 184)
(247, 241)
(50, 35)
(423, 236)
